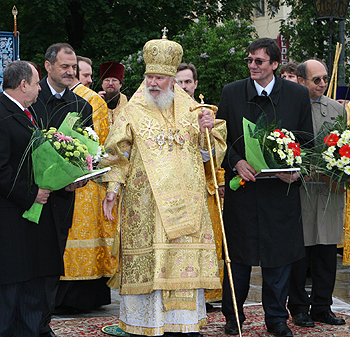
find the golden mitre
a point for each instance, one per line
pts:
(162, 56)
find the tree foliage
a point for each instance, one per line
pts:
(308, 36)
(107, 30)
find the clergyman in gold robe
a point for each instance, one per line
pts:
(156, 150)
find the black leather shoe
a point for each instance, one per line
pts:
(303, 319)
(328, 317)
(231, 327)
(281, 329)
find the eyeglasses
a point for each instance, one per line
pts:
(113, 80)
(317, 80)
(258, 62)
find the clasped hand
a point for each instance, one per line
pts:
(205, 120)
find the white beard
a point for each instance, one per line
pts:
(164, 100)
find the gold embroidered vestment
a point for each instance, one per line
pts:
(166, 232)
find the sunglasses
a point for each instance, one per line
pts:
(258, 62)
(317, 80)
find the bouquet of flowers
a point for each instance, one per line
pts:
(268, 147)
(72, 126)
(57, 161)
(332, 150)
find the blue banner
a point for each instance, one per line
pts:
(9, 51)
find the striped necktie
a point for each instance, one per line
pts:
(29, 115)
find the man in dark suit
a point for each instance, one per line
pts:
(55, 101)
(262, 220)
(29, 252)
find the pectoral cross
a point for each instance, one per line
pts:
(201, 97)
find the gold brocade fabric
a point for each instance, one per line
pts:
(214, 295)
(164, 197)
(113, 113)
(91, 237)
(346, 249)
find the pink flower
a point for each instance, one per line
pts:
(62, 138)
(89, 162)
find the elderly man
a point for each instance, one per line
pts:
(262, 220)
(29, 252)
(112, 74)
(322, 215)
(54, 102)
(168, 253)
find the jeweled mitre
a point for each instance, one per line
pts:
(162, 56)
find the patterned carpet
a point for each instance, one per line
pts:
(253, 327)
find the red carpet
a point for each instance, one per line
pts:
(253, 326)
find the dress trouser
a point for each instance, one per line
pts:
(21, 308)
(51, 287)
(322, 260)
(274, 292)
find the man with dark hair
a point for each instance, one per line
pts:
(85, 288)
(322, 215)
(84, 70)
(288, 71)
(262, 220)
(55, 101)
(29, 252)
(186, 78)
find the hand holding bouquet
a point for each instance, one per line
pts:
(72, 126)
(268, 147)
(57, 161)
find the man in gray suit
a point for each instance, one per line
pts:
(322, 216)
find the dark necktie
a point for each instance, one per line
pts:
(29, 115)
(264, 93)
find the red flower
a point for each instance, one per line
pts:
(331, 139)
(295, 147)
(282, 135)
(344, 151)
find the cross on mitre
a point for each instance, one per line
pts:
(164, 30)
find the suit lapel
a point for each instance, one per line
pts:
(17, 114)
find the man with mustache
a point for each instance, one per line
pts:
(54, 102)
(112, 74)
(168, 254)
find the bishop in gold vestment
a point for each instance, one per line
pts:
(168, 253)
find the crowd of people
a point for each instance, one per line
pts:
(151, 226)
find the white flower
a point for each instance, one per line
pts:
(333, 161)
(347, 170)
(289, 161)
(298, 160)
(281, 154)
(331, 149)
(346, 134)
(345, 160)
(276, 134)
(274, 149)
(279, 141)
(340, 165)
(270, 137)
(92, 134)
(335, 132)
(329, 166)
(341, 142)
